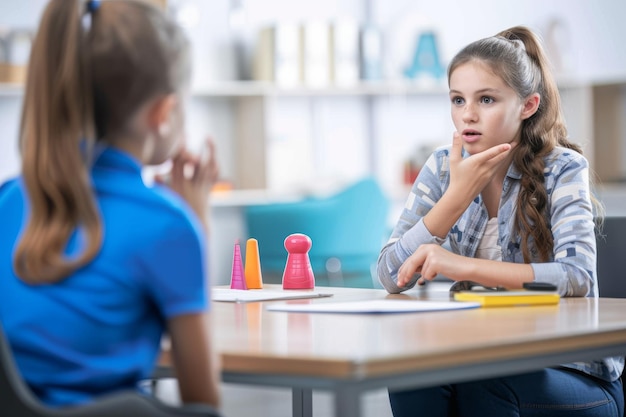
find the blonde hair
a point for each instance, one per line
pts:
(89, 72)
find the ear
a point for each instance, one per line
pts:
(531, 104)
(160, 109)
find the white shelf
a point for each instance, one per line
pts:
(243, 109)
(371, 88)
(244, 89)
(241, 198)
(11, 90)
(257, 88)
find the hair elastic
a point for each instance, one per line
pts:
(93, 6)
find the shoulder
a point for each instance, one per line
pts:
(561, 158)
(167, 215)
(153, 213)
(173, 207)
(438, 161)
(11, 192)
(442, 152)
(565, 167)
(10, 184)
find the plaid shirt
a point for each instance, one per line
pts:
(572, 267)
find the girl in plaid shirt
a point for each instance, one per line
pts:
(511, 197)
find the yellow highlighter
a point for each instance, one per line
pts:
(509, 298)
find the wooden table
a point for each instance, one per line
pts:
(349, 354)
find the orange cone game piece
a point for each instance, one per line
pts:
(254, 278)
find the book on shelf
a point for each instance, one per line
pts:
(12, 74)
(371, 53)
(344, 54)
(315, 57)
(277, 56)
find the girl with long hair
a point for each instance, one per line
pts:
(511, 197)
(95, 265)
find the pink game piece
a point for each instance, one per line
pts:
(298, 274)
(237, 278)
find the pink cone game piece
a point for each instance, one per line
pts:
(254, 279)
(298, 274)
(237, 279)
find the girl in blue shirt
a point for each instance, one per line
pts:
(94, 264)
(511, 196)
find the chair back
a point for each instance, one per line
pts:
(14, 394)
(16, 399)
(348, 227)
(611, 258)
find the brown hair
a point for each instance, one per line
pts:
(89, 72)
(516, 55)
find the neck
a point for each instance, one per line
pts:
(141, 149)
(492, 192)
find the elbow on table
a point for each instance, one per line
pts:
(389, 281)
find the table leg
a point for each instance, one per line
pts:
(347, 402)
(302, 402)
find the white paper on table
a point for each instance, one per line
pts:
(374, 306)
(244, 296)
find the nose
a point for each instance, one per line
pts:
(469, 113)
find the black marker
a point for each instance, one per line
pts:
(539, 286)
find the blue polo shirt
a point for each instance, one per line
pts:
(99, 330)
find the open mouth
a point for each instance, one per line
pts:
(471, 136)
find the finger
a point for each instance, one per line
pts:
(457, 146)
(213, 164)
(411, 266)
(495, 153)
(178, 170)
(160, 179)
(209, 167)
(201, 163)
(188, 157)
(428, 271)
(209, 148)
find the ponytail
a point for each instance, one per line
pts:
(56, 141)
(548, 122)
(540, 134)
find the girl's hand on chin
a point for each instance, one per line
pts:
(469, 176)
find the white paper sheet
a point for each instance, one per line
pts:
(244, 296)
(374, 306)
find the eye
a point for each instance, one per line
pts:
(486, 100)
(457, 101)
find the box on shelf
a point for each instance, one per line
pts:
(277, 56)
(371, 53)
(315, 64)
(12, 74)
(344, 54)
(312, 54)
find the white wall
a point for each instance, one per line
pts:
(591, 35)
(588, 36)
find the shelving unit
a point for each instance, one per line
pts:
(593, 110)
(250, 111)
(388, 118)
(267, 89)
(11, 90)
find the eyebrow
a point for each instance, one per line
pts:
(484, 90)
